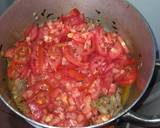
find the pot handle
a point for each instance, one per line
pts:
(142, 120)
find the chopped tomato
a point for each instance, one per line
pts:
(54, 57)
(73, 18)
(115, 51)
(36, 112)
(87, 83)
(128, 76)
(73, 55)
(40, 60)
(45, 60)
(107, 82)
(107, 45)
(112, 89)
(55, 93)
(43, 31)
(11, 72)
(98, 64)
(42, 85)
(123, 44)
(76, 75)
(20, 54)
(67, 65)
(89, 46)
(102, 46)
(21, 71)
(10, 53)
(32, 32)
(41, 99)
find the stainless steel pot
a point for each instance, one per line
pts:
(117, 15)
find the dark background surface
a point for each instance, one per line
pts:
(10, 120)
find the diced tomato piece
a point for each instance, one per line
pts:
(98, 64)
(70, 54)
(10, 53)
(112, 89)
(115, 51)
(73, 18)
(32, 32)
(43, 31)
(42, 99)
(11, 71)
(20, 53)
(107, 80)
(36, 112)
(28, 94)
(123, 44)
(43, 85)
(55, 93)
(40, 60)
(21, 71)
(54, 57)
(99, 41)
(76, 75)
(25, 71)
(128, 77)
(74, 12)
(89, 46)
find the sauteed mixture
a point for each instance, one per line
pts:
(70, 72)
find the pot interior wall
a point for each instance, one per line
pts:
(126, 21)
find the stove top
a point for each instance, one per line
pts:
(149, 10)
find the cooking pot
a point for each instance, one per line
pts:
(115, 15)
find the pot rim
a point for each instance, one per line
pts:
(121, 113)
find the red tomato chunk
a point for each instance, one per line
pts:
(67, 65)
